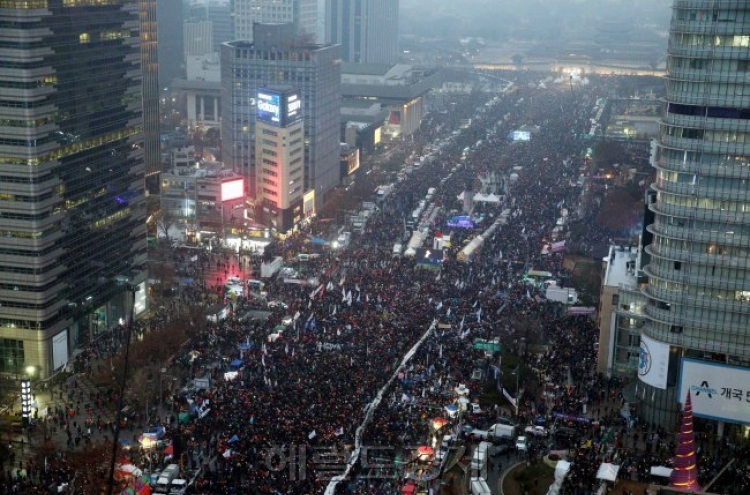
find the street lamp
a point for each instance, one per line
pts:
(118, 414)
(25, 400)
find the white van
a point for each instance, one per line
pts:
(179, 486)
(166, 477)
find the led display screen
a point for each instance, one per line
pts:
(233, 189)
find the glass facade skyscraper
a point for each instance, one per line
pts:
(699, 259)
(71, 175)
(150, 67)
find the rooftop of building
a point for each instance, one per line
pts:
(367, 69)
(358, 103)
(290, 45)
(196, 85)
(206, 171)
(622, 266)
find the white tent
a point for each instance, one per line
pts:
(607, 472)
(561, 470)
(562, 467)
(661, 471)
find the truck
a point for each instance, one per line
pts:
(497, 432)
(268, 270)
(382, 192)
(344, 239)
(565, 295)
(479, 456)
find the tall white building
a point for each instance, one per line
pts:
(302, 13)
(279, 158)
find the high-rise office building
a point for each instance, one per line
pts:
(198, 37)
(73, 235)
(169, 15)
(697, 334)
(222, 24)
(279, 155)
(150, 67)
(278, 57)
(302, 13)
(367, 30)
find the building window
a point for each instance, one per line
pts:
(615, 299)
(11, 355)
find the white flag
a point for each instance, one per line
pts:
(312, 435)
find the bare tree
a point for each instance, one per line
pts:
(165, 220)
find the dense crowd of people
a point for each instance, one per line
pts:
(373, 351)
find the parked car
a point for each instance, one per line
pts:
(522, 444)
(539, 431)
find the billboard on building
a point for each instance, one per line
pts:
(717, 391)
(60, 349)
(279, 108)
(292, 108)
(653, 362)
(268, 107)
(232, 189)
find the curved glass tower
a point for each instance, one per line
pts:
(699, 261)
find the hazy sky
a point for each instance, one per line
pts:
(496, 18)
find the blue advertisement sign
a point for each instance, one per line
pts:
(278, 107)
(268, 106)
